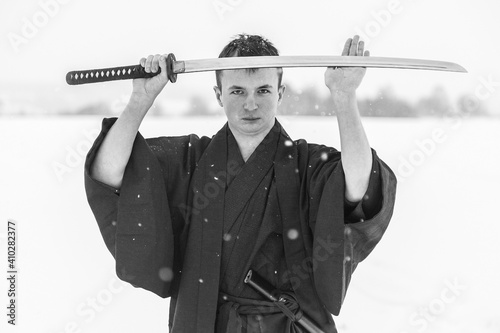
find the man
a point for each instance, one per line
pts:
(188, 217)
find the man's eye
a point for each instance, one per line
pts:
(237, 92)
(264, 91)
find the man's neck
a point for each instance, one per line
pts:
(248, 144)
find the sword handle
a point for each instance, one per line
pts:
(118, 73)
(266, 289)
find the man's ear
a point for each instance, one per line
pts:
(281, 93)
(218, 95)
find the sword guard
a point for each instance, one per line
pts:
(170, 68)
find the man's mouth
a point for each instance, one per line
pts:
(250, 118)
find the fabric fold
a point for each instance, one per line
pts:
(136, 224)
(165, 226)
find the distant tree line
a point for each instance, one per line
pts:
(309, 102)
(385, 103)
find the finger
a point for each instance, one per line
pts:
(149, 61)
(142, 62)
(347, 45)
(354, 46)
(154, 64)
(367, 53)
(361, 47)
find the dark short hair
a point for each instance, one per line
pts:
(244, 45)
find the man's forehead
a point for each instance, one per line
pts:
(254, 75)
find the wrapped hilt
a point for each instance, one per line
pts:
(118, 73)
(268, 291)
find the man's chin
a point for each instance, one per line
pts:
(253, 126)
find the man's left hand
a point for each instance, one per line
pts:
(347, 79)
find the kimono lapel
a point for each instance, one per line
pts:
(297, 236)
(249, 188)
(246, 182)
(199, 286)
(332, 271)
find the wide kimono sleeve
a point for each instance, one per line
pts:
(141, 223)
(346, 231)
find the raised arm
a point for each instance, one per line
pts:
(355, 150)
(114, 153)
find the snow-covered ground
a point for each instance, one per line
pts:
(437, 268)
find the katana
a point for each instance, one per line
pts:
(175, 67)
(270, 293)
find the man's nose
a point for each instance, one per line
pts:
(250, 104)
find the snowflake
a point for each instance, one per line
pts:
(293, 234)
(165, 274)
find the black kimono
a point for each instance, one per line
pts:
(191, 219)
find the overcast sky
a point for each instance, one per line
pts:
(42, 40)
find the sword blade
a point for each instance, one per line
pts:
(203, 65)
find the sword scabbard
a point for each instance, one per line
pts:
(269, 292)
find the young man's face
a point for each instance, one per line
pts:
(250, 99)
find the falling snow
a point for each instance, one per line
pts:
(324, 156)
(292, 234)
(288, 143)
(380, 284)
(227, 237)
(166, 274)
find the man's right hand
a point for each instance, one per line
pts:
(148, 89)
(114, 152)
